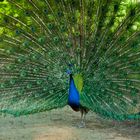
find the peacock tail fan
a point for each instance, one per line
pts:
(42, 41)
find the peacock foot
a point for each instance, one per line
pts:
(81, 124)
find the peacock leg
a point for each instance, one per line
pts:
(82, 122)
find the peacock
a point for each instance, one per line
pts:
(81, 53)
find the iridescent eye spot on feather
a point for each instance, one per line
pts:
(68, 44)
(25, 43)
(23, 74)
(17, 32)
(50, 26)
(45, 11)
(63, 28)
(41, 40)
(56, 40)
(27, 13)
(60, 14)
(33, 29)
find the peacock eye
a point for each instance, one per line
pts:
(46, 11)
(27, 13)
(45, 89)
(21, 59)
(56, 39)
(60, 14)
(25, 43)
(17, 32)
(73, 19)
(39, 82)
(77, 34)
(50, 26)
(29, 86)
(32, 29)
(23, 73)
(9, 50)
(68, 44)
(35, 70)
(87, 43)
(2, 85)
(63, 28)
(78, 50)
(12, 81)
(42, 40)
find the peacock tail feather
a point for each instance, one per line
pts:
(43, 41)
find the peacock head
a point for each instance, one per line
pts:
(69, 72)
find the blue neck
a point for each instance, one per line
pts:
(73, 98)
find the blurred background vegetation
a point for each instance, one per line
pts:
(6, 8)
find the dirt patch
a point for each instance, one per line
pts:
(56, 133)
(60, 124)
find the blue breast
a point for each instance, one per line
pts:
(73, 98)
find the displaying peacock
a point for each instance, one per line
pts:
(82, 53)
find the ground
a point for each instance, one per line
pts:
(61, 124)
